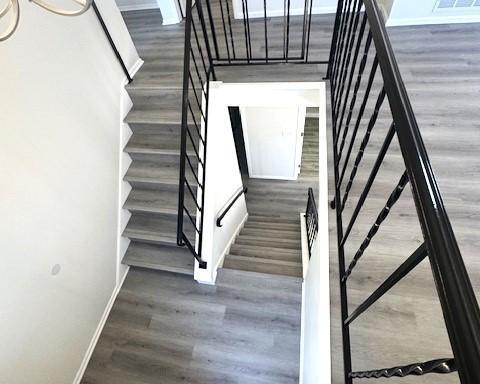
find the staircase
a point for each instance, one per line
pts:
(267, 245)
(153, 174)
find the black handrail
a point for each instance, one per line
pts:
(311, 220)
(230, 205)
(110, 40)
(454, 289)
(459, 304)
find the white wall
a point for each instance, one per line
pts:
(59, 191)
(276, 7)
(223, 181)
(414, 12)
(223, 175)
(315, 355)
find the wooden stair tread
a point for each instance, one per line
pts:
(159, 257)
(266, 253)
(155, 201)
(153, 143)
(283, 227)
(271, 234)
(263, 242)
(152, 172)
(161, 229)
(253, 264)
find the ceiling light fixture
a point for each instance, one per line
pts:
(12, 8)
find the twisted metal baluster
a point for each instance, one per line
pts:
(417, 369)
(361, 151)
(394, 196)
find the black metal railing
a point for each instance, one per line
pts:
(250, 36)
(213, 38)
(361, 46)
(111, 42)
(198, 71)
(232, 201)
(311, 221)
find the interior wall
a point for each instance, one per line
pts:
(223, 181)
(315, 347)
(59, 192)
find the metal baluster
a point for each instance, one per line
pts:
(417, 369)
(342, 44)
(363, 145)
(245, 30)
(265, 27)
(230, 27)
(287, 42)
(394, 196)
(309, 29)
(225, 31)
(371, 178)
(205, 36)
(200, 50)
(352, 73)
(340, 37)
(212, 27)
(248, 29)
(407, 266)
(341, 88)
(304, 27)
(350, 38)
(333, 46)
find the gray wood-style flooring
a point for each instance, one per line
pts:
(439, 65)
(166, 328)
(149, 336)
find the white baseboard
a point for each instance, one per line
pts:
(135, 67)
(171, 21)
(98, 331)
(392, 22)
(138, 7)
(293, 12)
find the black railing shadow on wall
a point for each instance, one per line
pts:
(360, 34)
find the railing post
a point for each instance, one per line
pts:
(334, 38)
(204, 173)
(183, 134)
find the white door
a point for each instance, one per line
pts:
(273, 141)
